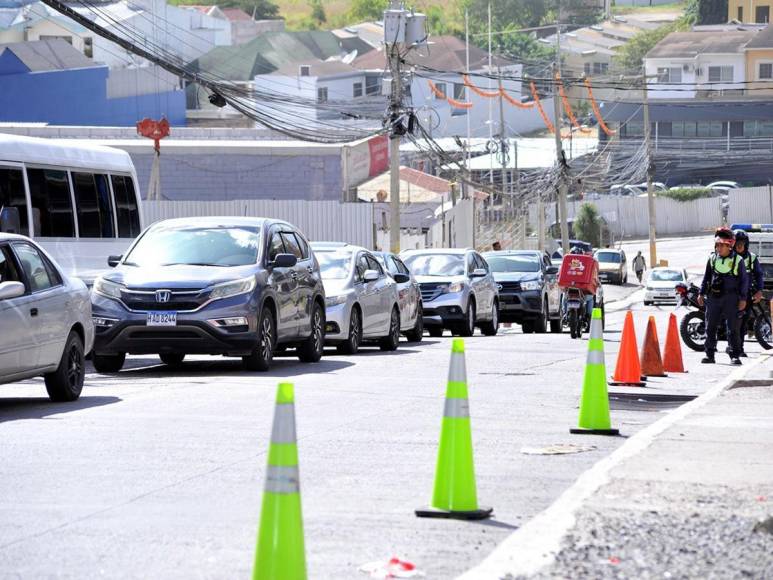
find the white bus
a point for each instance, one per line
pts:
(79, 201)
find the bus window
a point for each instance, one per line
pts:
(92, 198)
(126, 207)
(12, 195)
(51, 203)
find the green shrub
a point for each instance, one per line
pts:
(687, 193)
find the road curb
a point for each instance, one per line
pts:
(535, 545)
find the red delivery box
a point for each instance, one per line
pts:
(579, 271)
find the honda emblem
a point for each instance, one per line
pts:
(163, 296)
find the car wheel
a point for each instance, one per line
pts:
(491, 327)
(416, 334)
(66, 382)
(352, 344)
(527, 326)
(173, 359)
(435, 331)
(541, 324)
(108, 363)
(263, 353)
(468, 328)
(310, 351)
(392, 340)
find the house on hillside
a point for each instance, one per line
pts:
(749, 11)
(50, 81)
(437, 113)
(244, 27)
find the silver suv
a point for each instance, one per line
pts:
(229, 286)
(458, 291)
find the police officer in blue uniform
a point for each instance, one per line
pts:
(754, 270)
(724, 291)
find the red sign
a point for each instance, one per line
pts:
(379, 155)
(155, 130)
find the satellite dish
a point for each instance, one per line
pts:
(349, 58)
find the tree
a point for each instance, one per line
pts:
(587, 224)
(631, 56)
(318, 11)
(262, 9)
(367, 10)
(709, 11)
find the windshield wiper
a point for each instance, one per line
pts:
(194, 264)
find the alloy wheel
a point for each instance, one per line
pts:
(75, 367)
(266, 339)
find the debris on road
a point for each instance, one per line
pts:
(557, 449)
(392, 568)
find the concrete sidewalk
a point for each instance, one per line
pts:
(694, 500)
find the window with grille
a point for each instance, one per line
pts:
(766, 71)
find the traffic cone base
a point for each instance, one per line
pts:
(454, 494)
(581, 431)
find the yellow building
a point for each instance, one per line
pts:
(759, 64)
(749, 11)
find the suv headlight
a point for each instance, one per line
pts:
(531, 285)
(335, 300)
(228, 289)
(454, 288)
(107, 288)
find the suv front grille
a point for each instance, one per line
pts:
(509, 286)
(431, 290)
(180, 299)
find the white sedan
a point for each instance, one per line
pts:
(661, 284)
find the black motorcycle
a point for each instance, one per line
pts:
(693, 325)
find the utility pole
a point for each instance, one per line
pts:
(540, 225)
(562, 185)
(503, 145)
(395, 105)
(650, 171)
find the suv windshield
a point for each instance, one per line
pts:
(435, 264)
(609, 257)
(666, 276)
(513, 263)
(196, 246)
(334, 265)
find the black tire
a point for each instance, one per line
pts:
(541, 324)
(311, 349)
(575, 328)
(391, 341)
(762, 332)
(467, 328)
(491, 327)
(693, 330)
(263, 353)
(416, 334)
(435, 331)
(108, 363)
(172, 359)
(527, 326)
(66, 382)
(353, 341)
(556, 326)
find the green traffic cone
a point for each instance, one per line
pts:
(280, 554)
(455, 493)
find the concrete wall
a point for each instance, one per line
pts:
(753, 59)
(751, 205)
(749, 9)
(689, 77)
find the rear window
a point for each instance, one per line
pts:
(334, 265)
(501, 264)
(609, 257)
(666, 276)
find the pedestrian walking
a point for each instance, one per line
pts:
(754, 270)
(639, 265)
(724, 290)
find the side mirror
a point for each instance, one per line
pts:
(113, 261)
(370, 276)
(10, 223)
(11, 290)
(284, 261)
(479, 273)
(401, 278)
(551, 270)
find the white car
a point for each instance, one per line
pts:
(661, 284)
(724, 185)
(45, 319)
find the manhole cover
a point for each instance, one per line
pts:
(557, 449)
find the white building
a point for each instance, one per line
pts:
(685, 65)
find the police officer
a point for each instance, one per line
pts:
(724, 291)
(754, 270)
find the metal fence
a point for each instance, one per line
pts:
(751, 205)
(318, 220)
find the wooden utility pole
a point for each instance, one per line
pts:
(562, 185)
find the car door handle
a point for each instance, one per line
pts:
(33, 311)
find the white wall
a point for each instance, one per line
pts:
(691, 81)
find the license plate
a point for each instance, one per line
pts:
(573, 304)
(162, 319)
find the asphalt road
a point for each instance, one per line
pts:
(156, 473)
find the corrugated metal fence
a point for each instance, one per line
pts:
(318, 220)
(751, 205)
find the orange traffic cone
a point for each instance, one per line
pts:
(672, 352)
(651, 363)
(628, 369)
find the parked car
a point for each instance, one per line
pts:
(408, 294)
(231, 286)
(528, 289)
(457, 290)
(613, 266)
(661, 284)
(45, 318)
(362, 303)
(725, 185)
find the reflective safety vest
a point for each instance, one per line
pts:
(749, 262)
(725, 266)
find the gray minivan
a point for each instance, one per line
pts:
(231, 286)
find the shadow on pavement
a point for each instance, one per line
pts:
(15, 408)
(496, 524)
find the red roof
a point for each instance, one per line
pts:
(235, 14)
(430, 182)
(198, 7)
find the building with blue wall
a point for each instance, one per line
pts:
(49, 81)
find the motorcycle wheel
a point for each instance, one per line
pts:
(762, 332)
(574, 324)
(693, 330)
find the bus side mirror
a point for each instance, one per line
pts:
(10, 223)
